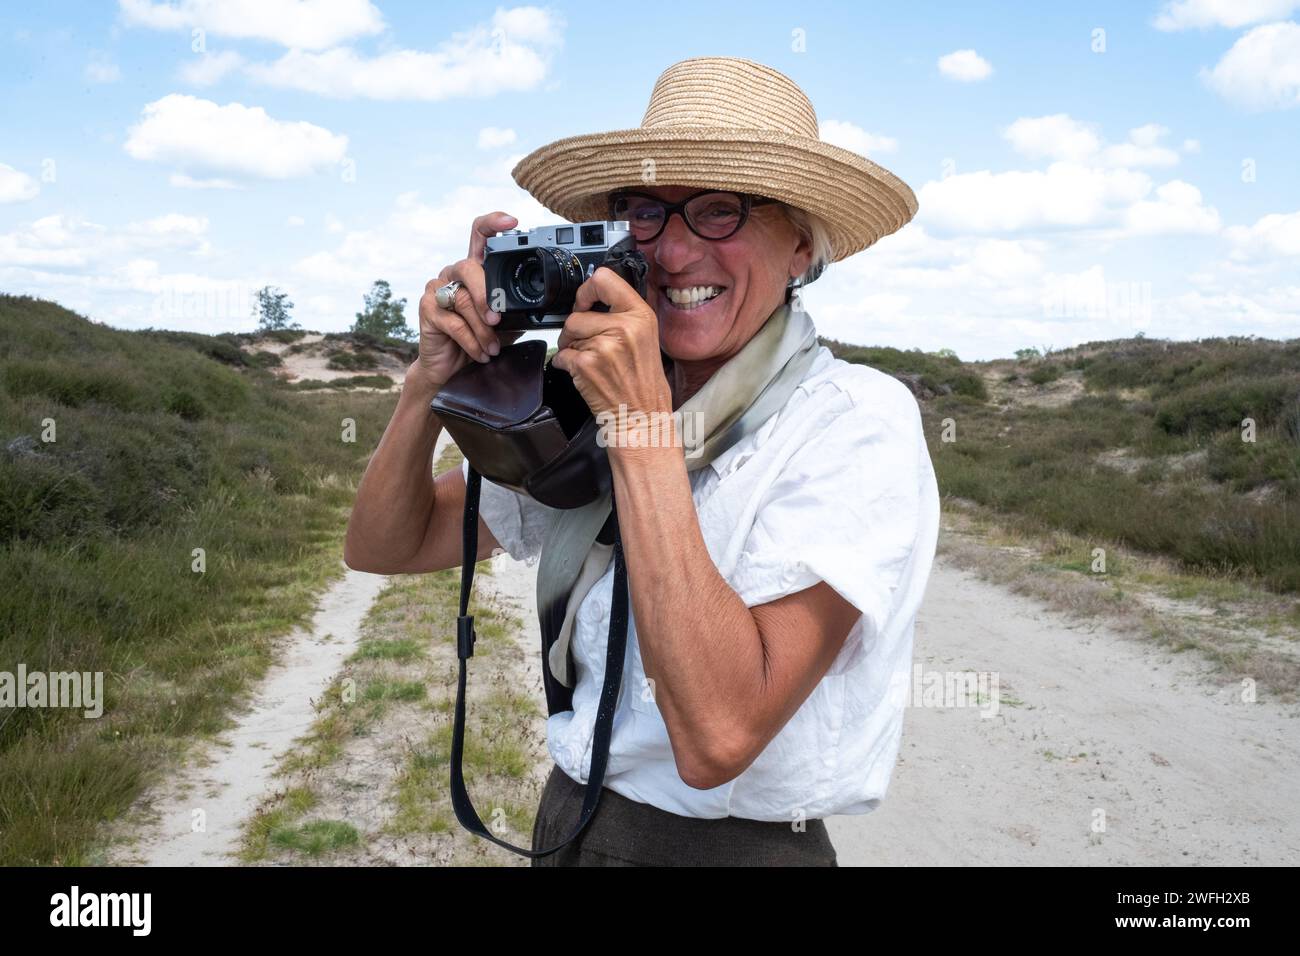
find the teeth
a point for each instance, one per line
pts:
(692, 296)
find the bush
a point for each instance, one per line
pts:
(284, 336)
(935, 369)
(263, 359)
(353, 361)
(1042, 374)
(224, 348)
(1248, 465)
(347, 381)
(162, 446)
(1216, 406)
(70, 383)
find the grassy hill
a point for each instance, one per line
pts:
(120, 454)
(1133, 441)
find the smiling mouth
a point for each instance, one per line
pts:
(687, 299)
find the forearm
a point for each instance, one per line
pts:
(395, 499)
(700, 644)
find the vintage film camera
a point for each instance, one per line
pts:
(532, 277)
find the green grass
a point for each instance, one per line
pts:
(344, 382)
(1039, 468)
(935, 370)
(163, 444)
(353, 361)
(315, 837)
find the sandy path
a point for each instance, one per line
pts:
(1185, 772)
(232, 778)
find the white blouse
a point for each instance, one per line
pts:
(838, 487)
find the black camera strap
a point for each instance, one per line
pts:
(617, 644)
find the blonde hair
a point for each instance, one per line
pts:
(811, 228)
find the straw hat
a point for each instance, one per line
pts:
(729, 123)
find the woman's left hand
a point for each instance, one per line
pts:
(614, 356)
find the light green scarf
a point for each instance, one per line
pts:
(754, 384)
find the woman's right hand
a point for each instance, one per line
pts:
(449, 340)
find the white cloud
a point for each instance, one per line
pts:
(101, 71)
(171, 224)
(295, 221)
(1061, 137)
(16, 186)
(1277, 234)
(855, 138)
(181, 181)
(1191, 146)
(70, 242)
(198, 135)
(492, 137)
(415, 235)
(50, 241)
(965, 66)
(1146, 136)
(985, 297)
(1130, 155)
(411, 244)
(1058, 136)
(1177, 208)
(306, 24)
(1065, 195)
(1200, 14)
(209, 68)
(1262, 70)
(510, 53)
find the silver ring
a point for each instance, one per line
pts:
(446, 295)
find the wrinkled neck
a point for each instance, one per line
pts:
(687, 378)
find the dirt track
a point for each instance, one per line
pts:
(1093, 729)
(1185, 771)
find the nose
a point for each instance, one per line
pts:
(677, 247)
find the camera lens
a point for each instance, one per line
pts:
(531, 278)
(546, 277)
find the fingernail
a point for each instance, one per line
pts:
(483, 357)
(491, 318)
(494, 348)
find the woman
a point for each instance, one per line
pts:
(773, 589)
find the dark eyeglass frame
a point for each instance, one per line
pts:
(747, 202)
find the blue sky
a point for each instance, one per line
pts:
(1074, 185)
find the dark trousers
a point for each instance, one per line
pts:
(623, 832)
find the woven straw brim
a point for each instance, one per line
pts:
(858, 200)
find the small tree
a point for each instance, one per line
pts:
(273, 310)
(383, 316)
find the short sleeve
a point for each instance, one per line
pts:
(518, 522)
(856, 506)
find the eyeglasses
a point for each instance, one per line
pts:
(710, 214)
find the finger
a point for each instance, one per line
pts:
(587, 325)
(470, 272)
(457, 327)
(429, 301)
(563, 360)
(486, 226)
(484, 338)
(607, 286)
(471, 302)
